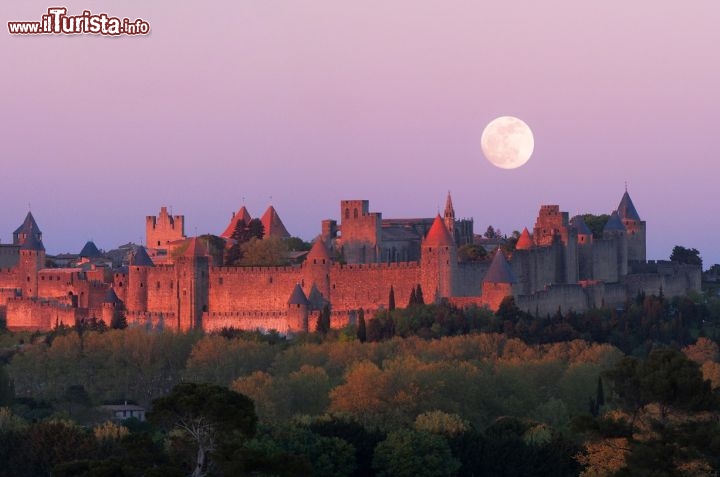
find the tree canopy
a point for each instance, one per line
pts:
(688, 256)
(208, 416)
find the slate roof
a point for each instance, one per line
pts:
(297, 297)
(614, 223)
(500, 271)
(141, 258)
(579, 223)
(32, 243)
(111, 297)
(626, 209)
(29, 226)
(90, 250)
(438, 234)
(399, 234)
(316, 299)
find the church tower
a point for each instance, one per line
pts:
(449, 216)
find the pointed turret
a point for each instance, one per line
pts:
(240, 215)
(498, 282)
(141, 258)
(449, 215)
(615, 230)
(28, 228)
(626, 209)
(318, 254)
(90, 250)
(438, 260)
(438, 235)
(636, 229)
(584, 248)
(111, 297)
(524, 241)
(500, 271)
(316, 298)
(614, 224)
(579, 223)
(272, 224)
(298, 305)
(297, 297)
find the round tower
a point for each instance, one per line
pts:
(438, 262)
(111, 306)
(297, 316)
(615, 230)
(498, 282)
(523, 260)
(316, 269)
(584, 248)
(636, 233)
(32, 259)
(137, 287)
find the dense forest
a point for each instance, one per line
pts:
(423, 390)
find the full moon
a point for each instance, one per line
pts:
(507, 142)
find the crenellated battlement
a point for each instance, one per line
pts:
(377, 255)
(255, 270)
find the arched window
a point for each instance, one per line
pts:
(347, 213)
(355, 213)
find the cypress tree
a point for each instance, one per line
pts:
(323, 321)
(119, 320)
(600, 393)
(413, 300)
(362, 330)
(391, 299)
(419, 296)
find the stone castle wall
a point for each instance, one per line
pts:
(367, 286)
(469, 278)
(162, 289)
(189, 293)
(42, 315)
(232, 289)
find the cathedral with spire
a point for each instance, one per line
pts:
(177, 282)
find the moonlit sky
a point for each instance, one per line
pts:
(311, 102)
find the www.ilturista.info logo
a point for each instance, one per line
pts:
(58, 22)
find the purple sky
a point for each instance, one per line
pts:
(311, 102)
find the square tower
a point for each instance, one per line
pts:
(162, 229)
